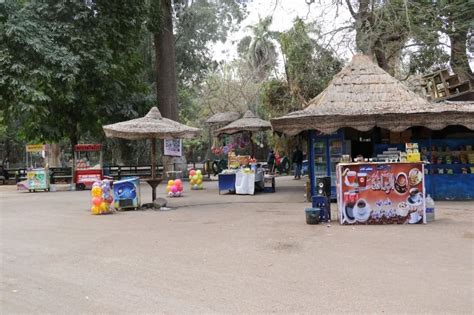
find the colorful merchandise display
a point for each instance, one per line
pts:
(175, 188)
(37, 175)
(381, 193)
(102, 198)
(127, 193)
(87, 165)
(195, 179)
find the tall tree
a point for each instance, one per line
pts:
(458, 24)
(182, 31)
(66, 66)
(165, 57)
(261, 52)
(308, 65)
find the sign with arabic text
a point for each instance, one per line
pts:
(173, 147)
(381, 193)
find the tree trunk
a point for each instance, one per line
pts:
(459, 61)
(363, 25)
(54, 153)
(166, 64)
(73, 139)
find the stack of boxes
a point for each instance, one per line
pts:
(413, 154)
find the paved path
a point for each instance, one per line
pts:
(227, 254)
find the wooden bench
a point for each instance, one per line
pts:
(60, 174)
(118, 172)
(20, 175)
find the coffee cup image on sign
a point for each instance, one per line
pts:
(351, 178)
(415, 197)
(361, 179)
(415, 218)
(415, 176)
(401, 183)
(349, 212)
(361, 210)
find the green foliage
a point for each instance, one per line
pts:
(198, 24)
(276, 98)
(308, 66)
(261, 52)
(3, 126)
(67, 67)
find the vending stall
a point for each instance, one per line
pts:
(37, 174)
(381, 193)
(363, 99)
(87, 167)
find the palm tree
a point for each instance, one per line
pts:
(261, 53)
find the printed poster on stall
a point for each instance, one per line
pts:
(37, 179)
(389, 193)
(173, 147)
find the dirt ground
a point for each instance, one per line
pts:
(227, 254)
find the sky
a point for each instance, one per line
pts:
(328, 16)
(284, 12)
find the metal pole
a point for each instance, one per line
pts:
(430, 168)
(311, 163)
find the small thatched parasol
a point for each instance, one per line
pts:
(153, 126)
(362, 96)
(222, 118)
(249, 122)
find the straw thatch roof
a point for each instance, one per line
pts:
(249, 122)
(222, 118)
(363, 96)
(153, 125)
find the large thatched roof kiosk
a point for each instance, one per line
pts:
(365, 111)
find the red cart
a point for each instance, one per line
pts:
(87, 166)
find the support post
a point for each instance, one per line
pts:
(311, 173)
(153, 168)
(328, 155)
(253, 144)
(430, 168)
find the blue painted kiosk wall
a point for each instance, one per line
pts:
(440, 184)
(455, 186)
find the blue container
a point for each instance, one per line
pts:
(312, 215)
(127, 193)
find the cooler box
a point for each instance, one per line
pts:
(127, 193)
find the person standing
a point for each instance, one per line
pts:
(298, 162)
(271, 161)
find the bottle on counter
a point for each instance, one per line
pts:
(430, 209)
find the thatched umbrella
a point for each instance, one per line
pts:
(222, 118)
(218, 120)
(153, 126)
(363, 96)
(249, 122)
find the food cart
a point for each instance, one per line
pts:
(37, 175)
(87, 166)
(240, 178)
(381, 193)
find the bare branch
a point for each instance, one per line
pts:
(351, 10)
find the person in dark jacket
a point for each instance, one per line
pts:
(298, 162)
(271, 161)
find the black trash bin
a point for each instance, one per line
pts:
(312, 215)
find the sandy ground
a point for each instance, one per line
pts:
(227, 254)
